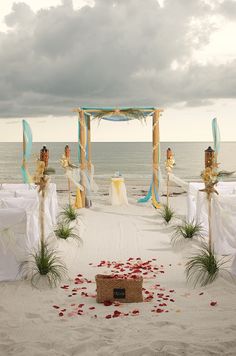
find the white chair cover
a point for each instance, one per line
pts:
(27, 190)
(28, 194)
(117, 192)
(31, 207)
(195, 199)
(6, 194)
(52, 202)
(224, 224)
(20, 186)
(193, 189)
(14, 242)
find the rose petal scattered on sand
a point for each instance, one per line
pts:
(107, 303)
(213, 304)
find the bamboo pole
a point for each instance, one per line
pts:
(209, 221)
(42, 215)
(67, 155)
(155, 143)
(167, 190)
(82, 152)
(89, 145)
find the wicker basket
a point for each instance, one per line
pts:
(124, 290)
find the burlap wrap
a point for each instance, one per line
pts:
(124, 290)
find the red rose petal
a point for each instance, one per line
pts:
(91, 308)
(116, 314)
(108, 316)
(60, 314)
(56, 306)
(213, 304)
(107, 303)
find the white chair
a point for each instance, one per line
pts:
(117, 192)
(28, 194)
(20, 186)
(52, 201)
(7, 194)
(224, 224)
(195, 199)
(193, 189)
(14, 242)
(31, 207)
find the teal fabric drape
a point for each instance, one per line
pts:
(216, 135)
(27, 144)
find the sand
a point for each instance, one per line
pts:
(187, 325)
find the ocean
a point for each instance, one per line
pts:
(132, 160)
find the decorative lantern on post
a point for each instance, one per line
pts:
(209, 157)
(209, 176)
(67, 152)
(44, 156)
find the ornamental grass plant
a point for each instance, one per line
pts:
(44, 263)
(186, 231)
(68, 214)
(204, 267)
(167, 213)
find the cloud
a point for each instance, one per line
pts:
(228, 8)
(118, 52)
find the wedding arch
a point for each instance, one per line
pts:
(114, 114)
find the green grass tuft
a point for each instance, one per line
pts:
(64, 231)
(204, 267)
(44, 262)
(69, 214)
(167, 213)
(186, 231)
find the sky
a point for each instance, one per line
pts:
(179, 55)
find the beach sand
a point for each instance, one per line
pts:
(187, 324)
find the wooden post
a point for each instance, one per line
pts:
(167, 190)
(67, 155)
(89, 145)
(155, 143)
(82, 152)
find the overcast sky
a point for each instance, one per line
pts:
(179, 55)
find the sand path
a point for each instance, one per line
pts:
(30, 326)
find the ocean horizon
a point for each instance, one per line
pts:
(132, 159)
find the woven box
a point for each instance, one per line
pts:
(124, 290)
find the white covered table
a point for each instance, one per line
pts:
(118, 195)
